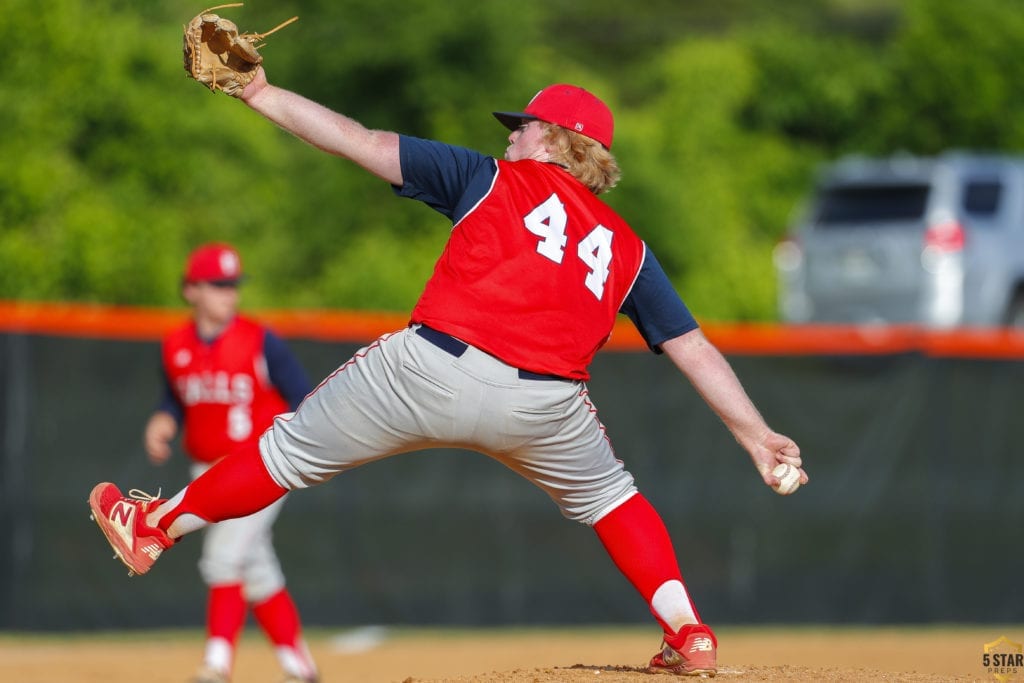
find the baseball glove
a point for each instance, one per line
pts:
(220, 57)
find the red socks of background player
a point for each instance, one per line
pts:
(638, 542)
(225, 612)
(279, 619)
(237, 486)
(225, 618)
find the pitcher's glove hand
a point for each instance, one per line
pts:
(220, 57)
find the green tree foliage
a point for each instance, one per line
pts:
(705, 192)
(114, 164)
(953, 67)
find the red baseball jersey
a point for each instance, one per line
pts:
(535, 273)
(223, 387)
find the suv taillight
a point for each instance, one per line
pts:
(945, 236)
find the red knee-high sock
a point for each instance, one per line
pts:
(237, 486)
(638, 542)
(279, 618)
(225, 612)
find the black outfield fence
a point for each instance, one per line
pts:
(914, 512)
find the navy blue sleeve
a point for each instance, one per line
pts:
(169, 402)
(449, 179)
(286, 373)
(654, 306)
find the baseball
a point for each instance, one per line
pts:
(789, 479)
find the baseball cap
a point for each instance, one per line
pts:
(568, 106)
(215, 262)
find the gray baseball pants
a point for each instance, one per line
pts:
(404, 393)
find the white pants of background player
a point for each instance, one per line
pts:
(241, 552)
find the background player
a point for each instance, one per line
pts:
(527, 290)
(226, 377)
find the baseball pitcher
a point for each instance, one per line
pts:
(495, 357)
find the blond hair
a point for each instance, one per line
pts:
(585, 158)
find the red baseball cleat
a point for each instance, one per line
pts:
(123, 521)
(691, 652)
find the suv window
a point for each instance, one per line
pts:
(865, 204)
(981, 197)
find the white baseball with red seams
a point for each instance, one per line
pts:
(789, 479)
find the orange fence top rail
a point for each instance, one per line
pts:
(151, 324)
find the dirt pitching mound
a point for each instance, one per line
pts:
(564, 655)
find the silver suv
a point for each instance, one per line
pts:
(934, 241)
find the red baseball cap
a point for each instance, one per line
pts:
(215, 262)
(570, 107)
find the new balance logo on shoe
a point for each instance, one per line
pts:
(122, 521)
(122, 517)
(702, 644)
(123, 512)
(153, 550)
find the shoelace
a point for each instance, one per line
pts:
(149, 499)
(139, 494)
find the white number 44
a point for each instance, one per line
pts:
(548, 220)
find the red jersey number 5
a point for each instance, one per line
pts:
(548, 221)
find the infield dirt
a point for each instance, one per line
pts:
(603, 655)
